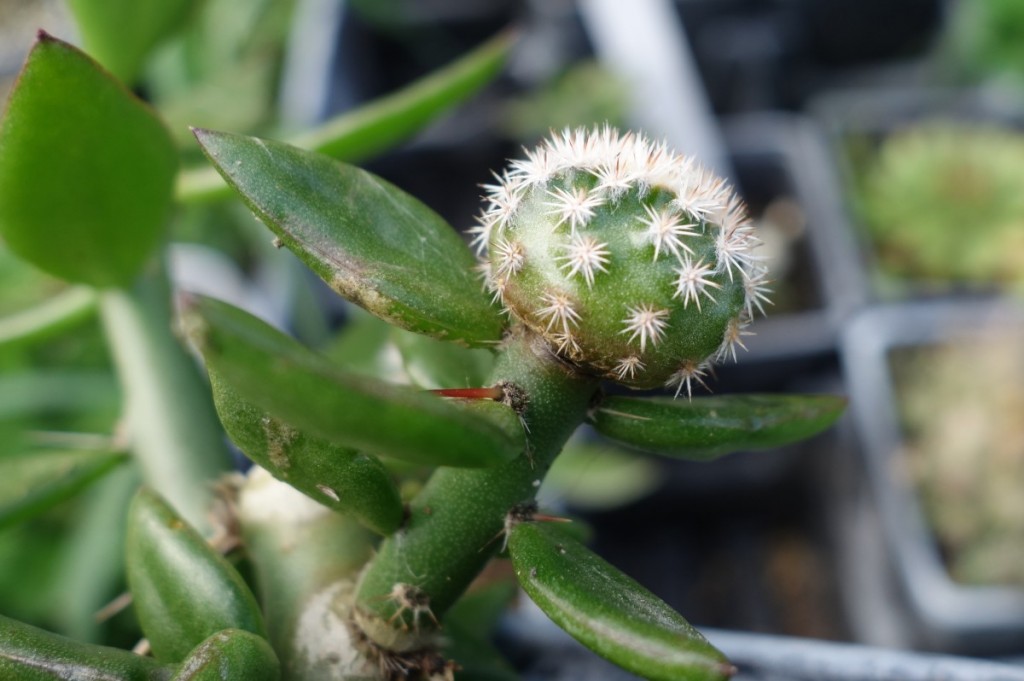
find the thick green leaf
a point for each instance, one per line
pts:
(31, 654)
(183, 591)
(231, 655)
(609, 612)
(708, 427)
(370, 241)
(364, 132)
(338, 477)
(303, 389)
(86, 170)
(33, 482)
(121, 33)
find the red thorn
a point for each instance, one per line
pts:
(494, 393)
(540, 517)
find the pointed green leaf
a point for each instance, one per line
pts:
(379, 125)
(708, 427)
(303, 389)
(32, 482)
(121, 33)
(182, 590)
(338, 477)
(31, 654)
(609, 612)
(370, 241)
(231, 655)
(86, 170)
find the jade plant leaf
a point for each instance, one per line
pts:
(183, 591)
(32, 482)
(86, 170)
(231, 655)
(708, 427)
(306, 391)
(370, 241)
(338, 477)
(31, 654)
(609, 612)
(121, 33)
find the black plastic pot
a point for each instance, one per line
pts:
(899, 590)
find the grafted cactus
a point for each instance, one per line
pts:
(615, 259)
(631, 261)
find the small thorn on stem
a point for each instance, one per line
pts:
(493, 393)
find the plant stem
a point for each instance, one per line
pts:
(173, 429)
(52, 317)
(456, 522)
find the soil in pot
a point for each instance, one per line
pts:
(960, 405)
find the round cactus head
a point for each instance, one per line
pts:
(631, 261)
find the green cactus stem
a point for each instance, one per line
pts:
(456, 523)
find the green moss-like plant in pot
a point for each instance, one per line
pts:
(942, 209)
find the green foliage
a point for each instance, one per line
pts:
(120, 33)
(338, 477)
(372, 243)
(31, 654)
(708, 427)
(182, 590)
(303, 389)
(85, 191)
(609, 612)
(942, 202)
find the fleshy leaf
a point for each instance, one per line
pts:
(231, 655)
(121, 33)
(305, 390)
(609, 612)
(338, 477)
(182, 590)
(708, 427)
(31, 654)
(32, 482)
(85, 189)
(370, 241)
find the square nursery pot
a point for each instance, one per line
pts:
(857, 124)
(924, 508)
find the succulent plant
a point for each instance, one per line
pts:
(615, 259)
(932, 182)
(629, 260)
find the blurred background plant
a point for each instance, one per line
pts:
(942, 206)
